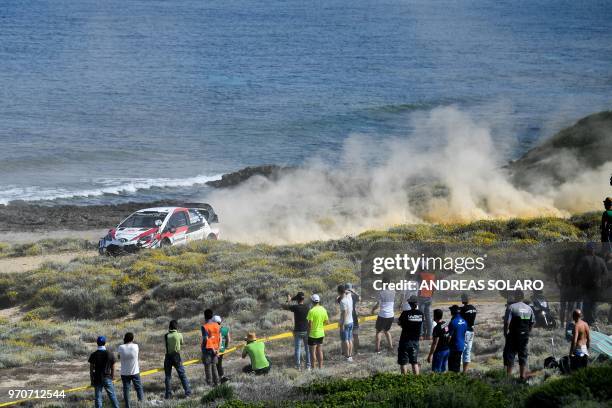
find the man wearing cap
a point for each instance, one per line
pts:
(468, 312)
(518, 321)
(346, 321)
(300, 328)
(101, 373)
(456, 330)
(211, 341)
(411, 322)
(256, 350)
(317, 318)
(226, 338)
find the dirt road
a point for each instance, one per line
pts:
(28, 263)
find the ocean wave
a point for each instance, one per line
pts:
(10, 194)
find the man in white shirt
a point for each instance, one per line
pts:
(386, 301)
(130, 371)
(346, 321)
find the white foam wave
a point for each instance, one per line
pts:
(106, 186)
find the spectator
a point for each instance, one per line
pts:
(226, 339)
(173, 341)
(356, 299)
(581, 342)
(439, 349)
(101, 373)
(300, 329)
(317, 318)
(346, 321)
(130, 370)
(211, 341)
(384, 320)
(456, 330)
(606, 223)
(468, 313)
(518, 322)
(256, 350)
(411, 322)
(593, 273)
(425, 301)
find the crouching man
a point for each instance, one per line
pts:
(256, 350)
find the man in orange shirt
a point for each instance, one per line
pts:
(211, 341)
(425, 300)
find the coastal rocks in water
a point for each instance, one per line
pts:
(269, 171)
(584, 146)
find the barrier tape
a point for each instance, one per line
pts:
(274, 337)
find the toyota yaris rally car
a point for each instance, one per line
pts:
(160, 227)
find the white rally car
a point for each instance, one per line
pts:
(160, 227)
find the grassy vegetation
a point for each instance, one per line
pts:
(241, 281)
(45, 246)
(59, 309)
(590, 387)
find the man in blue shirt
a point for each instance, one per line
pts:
(457, 328)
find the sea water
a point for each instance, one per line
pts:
(107, 101)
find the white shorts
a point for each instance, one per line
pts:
(467, 350)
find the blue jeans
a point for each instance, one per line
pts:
(300, 338)
(425, 307)
(127, 380)
(107, 384)
(439, 361)
(174, 360)
(346, 332)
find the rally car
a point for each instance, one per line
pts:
(160, 227)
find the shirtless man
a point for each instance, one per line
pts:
(581, 342)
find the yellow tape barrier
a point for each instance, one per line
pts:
(274, 337)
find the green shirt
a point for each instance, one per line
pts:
(257, 353)
(224, 333)
(174, 340)
(317, 316)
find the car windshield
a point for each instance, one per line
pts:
(143, 220)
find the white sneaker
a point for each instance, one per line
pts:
(349, 359)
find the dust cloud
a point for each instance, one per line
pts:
(458, 175)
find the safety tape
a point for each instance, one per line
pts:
(274, 337)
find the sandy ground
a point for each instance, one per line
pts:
(28, 263)
(74, 372)
(12, 237)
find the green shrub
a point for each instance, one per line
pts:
(590, 383)
(150, 308)
(40, 313)
(222, 391)
(394, 390)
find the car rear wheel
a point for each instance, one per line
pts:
(165, 243)
(211, 236)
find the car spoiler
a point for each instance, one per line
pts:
(206, 210)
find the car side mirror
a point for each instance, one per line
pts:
(158, 223)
